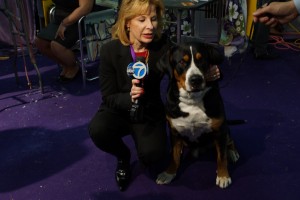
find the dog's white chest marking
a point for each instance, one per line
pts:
(197, 122)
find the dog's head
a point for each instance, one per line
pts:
(188, 63)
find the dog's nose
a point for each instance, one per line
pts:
(195, 81)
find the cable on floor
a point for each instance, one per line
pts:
(282, 44)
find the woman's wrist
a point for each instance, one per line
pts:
(63, 24)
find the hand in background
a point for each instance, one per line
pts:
(276, 12)
(213, 73)
(61, 31)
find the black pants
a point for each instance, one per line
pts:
(108, 127)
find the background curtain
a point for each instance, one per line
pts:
(12, 7)
(233, 28)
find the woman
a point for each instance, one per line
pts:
(136, 33)
(56, 40)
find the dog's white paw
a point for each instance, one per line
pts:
(233, 155)
(164, 178)
(223, 182)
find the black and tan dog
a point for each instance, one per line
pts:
(194, 107)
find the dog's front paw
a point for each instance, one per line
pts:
(164, 178)
(223, 182)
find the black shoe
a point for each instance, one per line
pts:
(123, 174)
(64, 79)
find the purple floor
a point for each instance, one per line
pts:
(46, 153)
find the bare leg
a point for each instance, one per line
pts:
(44, 47)
(59, 54)
(66, 58)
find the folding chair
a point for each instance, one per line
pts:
(97, 27)
(94, 30)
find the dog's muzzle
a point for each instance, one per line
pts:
(196, 82)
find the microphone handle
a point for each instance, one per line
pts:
(141, 84)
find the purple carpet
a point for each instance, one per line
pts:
(46, 152)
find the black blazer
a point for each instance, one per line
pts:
(115, 85)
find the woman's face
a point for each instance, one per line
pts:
(142, 28)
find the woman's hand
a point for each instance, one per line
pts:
(276, 12)
(136, 91)
(61, 31)
(213, 73)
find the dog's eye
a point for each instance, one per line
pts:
(182, 63)
(186, 58)
(198, 56)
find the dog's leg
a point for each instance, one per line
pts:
(233, 154)
(167, 176)
(223, 179)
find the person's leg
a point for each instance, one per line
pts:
(59, 54)
(106, 131)
(151, 141)
(44, 46)
(62, 50)
(67, 59)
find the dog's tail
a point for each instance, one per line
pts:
(236, 121)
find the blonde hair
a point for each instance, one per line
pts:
(132, 8)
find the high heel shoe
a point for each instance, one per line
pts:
(123, 174)
(65, 79)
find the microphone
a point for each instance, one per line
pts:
(137, 70)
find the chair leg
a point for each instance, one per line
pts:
(83, 71)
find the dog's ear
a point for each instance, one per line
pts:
(164, 64)
(215, 55)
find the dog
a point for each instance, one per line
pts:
(194, 108)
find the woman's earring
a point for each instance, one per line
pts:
(128, 29)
